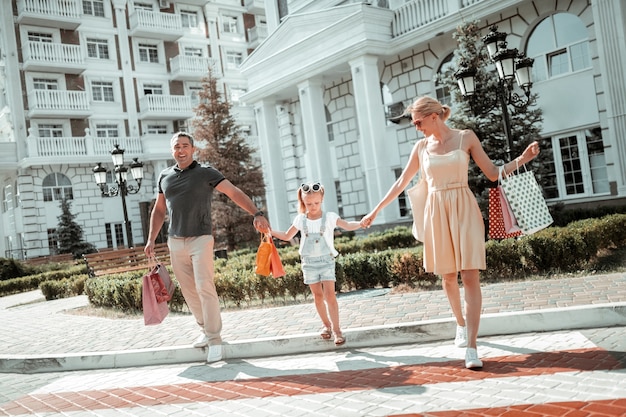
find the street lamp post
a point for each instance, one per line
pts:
(123, 188)
(510, 64)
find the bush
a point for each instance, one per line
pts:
(12, 268)
(556, 249)
(63, 288)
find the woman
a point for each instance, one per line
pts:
(453, 224)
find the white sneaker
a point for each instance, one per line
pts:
(201, 341)
(461, 336)
(215, 353)
(471, 359)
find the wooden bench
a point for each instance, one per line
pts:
(42, 260)
(123, 260)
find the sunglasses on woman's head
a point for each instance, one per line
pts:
(311, 188)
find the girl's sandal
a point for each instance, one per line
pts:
(339, 339)
(325, 333)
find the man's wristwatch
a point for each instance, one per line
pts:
(259, 213)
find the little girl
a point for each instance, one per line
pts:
(317, 254)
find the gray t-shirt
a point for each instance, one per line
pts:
(188, 195)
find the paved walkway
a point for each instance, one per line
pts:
(563, 373)
(34, 328)
(551, 347)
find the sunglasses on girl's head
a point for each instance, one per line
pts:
(311, 188)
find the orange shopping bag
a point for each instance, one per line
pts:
(263, 255)
(276, 265)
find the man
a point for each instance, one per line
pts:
(185, 191)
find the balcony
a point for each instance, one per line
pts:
(86, 149)
(256, 35)
(58, 103)
(192, 68)
(53, 57)
(255, 6)
(156, 25)
(63, 14)
(165, 107)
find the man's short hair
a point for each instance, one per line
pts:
(179, 134)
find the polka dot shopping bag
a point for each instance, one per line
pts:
(527, 202)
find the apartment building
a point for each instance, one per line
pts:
(78, 77)
(330, 72)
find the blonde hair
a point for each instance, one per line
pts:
(426, 105)
(301, 206)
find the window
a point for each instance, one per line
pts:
(106, 131)
(50, 131)
(143, 6)
(442, 90)
(189, 19)
(40, 37)
(329, 125)
(579, 167)
(97, 48)
(102, 91)
(114, 232)
(148, 53)
(559, 45)
(192, 51)
(56, 187)
(229, 24)
(93, 8)
(53, 243)
(45, 84)
(236, 93)
(339, 199)
(402, 200)
(194, 92)
(156, 89)
(233, 59)
(154, 129)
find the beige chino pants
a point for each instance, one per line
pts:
(193, 266)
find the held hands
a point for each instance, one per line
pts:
(261, 224)
(368, 220)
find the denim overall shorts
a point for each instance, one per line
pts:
(317, 261)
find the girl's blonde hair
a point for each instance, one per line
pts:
(301, 206)
(427, 105)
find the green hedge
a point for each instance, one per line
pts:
(386, 259)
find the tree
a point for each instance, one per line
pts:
(483, 113)
(222, 146)
(69, 233)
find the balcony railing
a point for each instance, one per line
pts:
(64, 14)
(417, 13)
(53, 57)
(256, 35)
(82, 147)
(165, 107)
(192, 67)
(165, 26)
(50, 103)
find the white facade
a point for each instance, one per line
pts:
(78, 77)
(315, 84)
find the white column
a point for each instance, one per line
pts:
(272, 16)
(317, 154)
(272, 162)
(609, 17)
(371, 121)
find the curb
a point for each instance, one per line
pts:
(567, 318)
